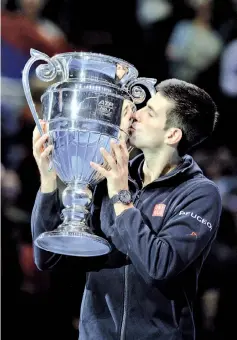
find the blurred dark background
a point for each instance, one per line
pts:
(193, 40)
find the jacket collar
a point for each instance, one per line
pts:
(188, 168)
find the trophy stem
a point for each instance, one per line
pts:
(76, 198)
(74, 236)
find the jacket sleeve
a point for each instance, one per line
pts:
(186, 235)
(45, 217)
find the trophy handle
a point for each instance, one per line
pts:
(45, 72)
(137, 92)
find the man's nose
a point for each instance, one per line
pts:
(136, 115)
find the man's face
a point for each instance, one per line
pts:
(148, 127)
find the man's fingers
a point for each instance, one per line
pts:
(46, 152)
(117, 153)
(108, 158)
(124, 149)
(38, 146)
(36, 133)
(100, 169)
(121, 152)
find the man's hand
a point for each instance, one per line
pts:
(117, 175)
(41, 155)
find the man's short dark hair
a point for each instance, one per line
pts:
(194, 112)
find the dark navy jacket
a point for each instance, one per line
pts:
(145, 288)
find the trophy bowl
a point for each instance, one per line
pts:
(84, 110)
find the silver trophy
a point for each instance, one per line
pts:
(84, 109)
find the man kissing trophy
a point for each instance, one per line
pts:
(84, 110)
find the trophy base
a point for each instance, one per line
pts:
(73, 243)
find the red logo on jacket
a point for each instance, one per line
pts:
(159, 210)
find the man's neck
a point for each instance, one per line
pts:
(158, 164)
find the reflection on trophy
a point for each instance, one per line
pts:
(84, 110)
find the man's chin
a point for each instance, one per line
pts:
(132, 142)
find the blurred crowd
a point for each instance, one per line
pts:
(193, 40)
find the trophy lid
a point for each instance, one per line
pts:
(96, 66)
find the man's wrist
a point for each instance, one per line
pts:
(124, 196)
(48, 185)
(119, 207)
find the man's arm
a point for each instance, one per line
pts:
(185, 236)
(45, 217)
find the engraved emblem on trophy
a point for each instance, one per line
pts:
(84, 110)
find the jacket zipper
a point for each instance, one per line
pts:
(125, 301)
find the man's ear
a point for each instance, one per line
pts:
(173, 136)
